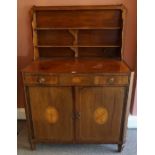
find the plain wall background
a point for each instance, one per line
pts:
(24, 35)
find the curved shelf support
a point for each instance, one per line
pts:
(74, 33)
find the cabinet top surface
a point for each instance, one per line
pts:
(77, 66)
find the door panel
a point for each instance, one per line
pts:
(52, 109)
(100, 111)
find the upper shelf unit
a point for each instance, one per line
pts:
(78, 31)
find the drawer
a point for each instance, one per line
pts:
(76, 80)
(93, 80)
(115, 80)
(40, 79)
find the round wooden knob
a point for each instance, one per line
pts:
(111, 80)
(41, 80)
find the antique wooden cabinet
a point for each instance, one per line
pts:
(78, 88)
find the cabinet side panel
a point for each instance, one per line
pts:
(127, 108)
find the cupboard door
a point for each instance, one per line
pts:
(100, 112)
(51, 109)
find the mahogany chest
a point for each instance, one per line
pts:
(78, 88)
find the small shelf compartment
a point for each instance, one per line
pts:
(51, 52)
(55, 38)
(99, 37)
(68, 19)
(104, 52)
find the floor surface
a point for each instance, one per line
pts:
(76, 149)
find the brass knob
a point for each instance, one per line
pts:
(41, 80)
(111, 80)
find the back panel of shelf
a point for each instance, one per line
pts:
(90, 31)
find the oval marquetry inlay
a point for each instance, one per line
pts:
(51, 115)
(101, 115)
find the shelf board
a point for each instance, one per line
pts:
(77, 28)
(101, 46)
(46, 46)
(51, 46)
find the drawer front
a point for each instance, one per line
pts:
(76, 80)
(40, 79)
(111, 80)
(93, 80)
